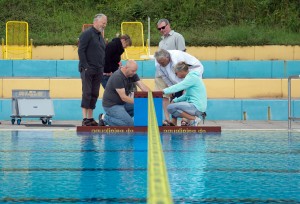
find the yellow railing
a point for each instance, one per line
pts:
(138, 50)
(3, 48)
(158, 184)
(17, 41)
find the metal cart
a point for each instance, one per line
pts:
(32, 104)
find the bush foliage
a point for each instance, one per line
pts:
(202, 22)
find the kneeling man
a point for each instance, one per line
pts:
(117, 99)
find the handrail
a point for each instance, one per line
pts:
(158, 184)
(290, 118)
(3, 49)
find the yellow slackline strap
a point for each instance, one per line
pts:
(158, 184)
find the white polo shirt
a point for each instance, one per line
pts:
(167, 73)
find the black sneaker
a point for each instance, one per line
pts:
(84, 122)
(101, 121)
(92, 122)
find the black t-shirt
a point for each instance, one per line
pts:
(118, 81)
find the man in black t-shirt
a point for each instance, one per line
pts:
(117, 98)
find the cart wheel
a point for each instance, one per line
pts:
(49, 122)
(19, 121)
(44, 121)
(13, 121)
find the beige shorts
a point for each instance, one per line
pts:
(160, 85)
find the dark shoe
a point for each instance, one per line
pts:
(185, 123)
(84, 122)
(101, 121)
(167, 123)
(89, 122)
(203, 115)
(92, 122)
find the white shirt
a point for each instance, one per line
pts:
(167, 73)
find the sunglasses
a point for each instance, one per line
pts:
(162, 28)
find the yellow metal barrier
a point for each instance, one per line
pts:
(138, 50)
(158, 184)
(3, 48)
(17, 41)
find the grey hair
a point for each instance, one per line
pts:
(163, 20)
(98, 16)
(181, 66)
(161, 53)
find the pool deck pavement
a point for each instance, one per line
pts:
(225, 125)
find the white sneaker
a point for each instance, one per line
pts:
(196, 122)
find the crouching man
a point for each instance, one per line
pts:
(117, 99)
(192, 104)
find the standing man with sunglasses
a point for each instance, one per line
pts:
(171, 40)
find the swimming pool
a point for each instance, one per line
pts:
(231, 167)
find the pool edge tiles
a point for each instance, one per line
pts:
(162, 129)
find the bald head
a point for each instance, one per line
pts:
(131, 63)
(130, 68)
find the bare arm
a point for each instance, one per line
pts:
(123, 96)
(142, 86)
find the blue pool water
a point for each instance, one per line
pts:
(231, 167)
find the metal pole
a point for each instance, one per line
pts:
(148, 37)
(289, 103)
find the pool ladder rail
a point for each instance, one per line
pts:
(290, 117)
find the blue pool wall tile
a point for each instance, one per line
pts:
(6, 68)
(295, 108)
(250, 69)
(68, 68)
(278, 109)
(6, 109)
(278, 69)
(293, 67)
(224, 110)
(215, 69)
(70, 109)
(140, 68)
(258, 109)
(34, 68)
(148, 69)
